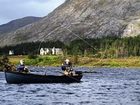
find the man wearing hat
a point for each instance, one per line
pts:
(67, 67)
(21, 67)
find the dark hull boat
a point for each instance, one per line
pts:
(18, 77)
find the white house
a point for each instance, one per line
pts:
(42, 51)
(53, 51)
(46, 51)
(11, 52)
(58, 51)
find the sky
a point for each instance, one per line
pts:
(15, 9)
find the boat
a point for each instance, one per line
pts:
(14, 77)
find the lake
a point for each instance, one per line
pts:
(108, 86)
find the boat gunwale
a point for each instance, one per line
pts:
(31, 74)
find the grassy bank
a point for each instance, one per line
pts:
(78, 61)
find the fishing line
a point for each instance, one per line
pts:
(78, 37)
(64, 26)
(47, 36)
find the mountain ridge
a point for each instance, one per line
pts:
(81, 19)
(17, 23)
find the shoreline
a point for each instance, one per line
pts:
(78, 61)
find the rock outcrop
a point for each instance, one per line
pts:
(81, 19)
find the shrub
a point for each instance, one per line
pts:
(32, 56)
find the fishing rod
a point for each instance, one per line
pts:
(64, 26)
(47, 36)
(67, 28)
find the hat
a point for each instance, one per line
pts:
(67, 60)
(21, 61)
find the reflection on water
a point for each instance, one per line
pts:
(109, 86)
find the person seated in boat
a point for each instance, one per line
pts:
(67, 67)
(21, 67)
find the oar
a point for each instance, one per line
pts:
(89, 72)
(69, 76)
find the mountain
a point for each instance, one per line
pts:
(18, 23)
(81, 19)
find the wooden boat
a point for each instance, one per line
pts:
(18, 77)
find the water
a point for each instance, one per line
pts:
(109, 86)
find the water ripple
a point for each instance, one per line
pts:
(109, 86)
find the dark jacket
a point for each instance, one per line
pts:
(66, 66)
(20, 68)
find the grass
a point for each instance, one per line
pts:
(39, 61)
(78, 61)
(16, 59)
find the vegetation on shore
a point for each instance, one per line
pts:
(107, 47)
(77, 61)
(107, 52)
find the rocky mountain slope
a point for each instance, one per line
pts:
(18, 23)
(81, 18)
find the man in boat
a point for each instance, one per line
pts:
(67, 67)
(21, 67)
